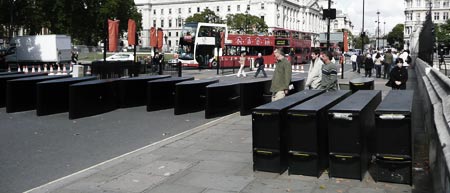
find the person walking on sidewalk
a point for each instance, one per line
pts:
(388, 60)
(368, 65)
(353, 59)
(260, 62)
(329, 72)
(399, 76)
(281, 76)
(242, 64)
(315, 71)
(360, 61)
(378, 62)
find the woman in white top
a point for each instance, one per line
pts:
(315, 71)
(242, 63)
(378, 62)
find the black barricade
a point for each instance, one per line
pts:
(361, 84)
(351, 125)
(394, 137)
(307, 131)
(9, 73)
(21, 93)
(3, 82)
(254, 93)
(161, 93)
(53, 95)
(269, 133)
(93, 97)
(190, 96)
(298, 84)
(115, 69)
(222, 98)
(133, 91)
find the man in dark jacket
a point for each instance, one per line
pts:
(368, 65)
(260, 62)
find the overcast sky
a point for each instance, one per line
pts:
(391, 12)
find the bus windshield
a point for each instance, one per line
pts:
(187, 39)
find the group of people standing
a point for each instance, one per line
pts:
(322, 73)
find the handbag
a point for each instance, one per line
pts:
(389, 83)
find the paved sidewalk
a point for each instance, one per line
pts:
(212, 158)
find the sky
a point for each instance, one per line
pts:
(391, 12)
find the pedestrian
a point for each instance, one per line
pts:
(399, 76)
(156, 61)
(368, 65)
(360, 62)
(378, 62)
(242, 64)
(406, 58)
(315, 71)
(74, 58)
(388, 60)
(329, 72)
(292, 56)
(281, 76)
(353, 58)
(260, 62)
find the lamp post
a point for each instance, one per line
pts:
(384, 32)
(362, 31)
(378, 30)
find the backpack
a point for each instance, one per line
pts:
(408, 59)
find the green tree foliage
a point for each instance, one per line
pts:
(357, 41)
(443, 33)
(206, 16)
(246, 22)
(395, 37)
(83, 20)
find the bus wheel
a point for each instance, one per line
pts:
(213, 64)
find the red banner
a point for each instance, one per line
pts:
(153, 41)
(160, 39)
(222, 39)
(131, 32)
(345, 41)
(113, 31)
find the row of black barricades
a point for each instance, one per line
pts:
(312, 130)
(88, 96)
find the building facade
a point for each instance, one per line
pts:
(415, 15)
(302, 15)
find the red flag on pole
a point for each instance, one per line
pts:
(160, 39)
(153, 41)
(131, 32)
(345, 41)
(113, 29)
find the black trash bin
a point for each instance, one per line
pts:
(351, 125)
(269, 133)
(394, 138)
(307, 131)
(361, 84)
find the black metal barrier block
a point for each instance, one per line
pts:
(299, 85)
(394, 169)
(190, 96)
(307, 133)
(3, 82)
(254, 93)
(21, 93)
(222, 98)
(93, 97)
(133, 91)
(9, 73)
(269, 133)
(351, 126)
(53, 95)
(361, 84)
(115, 69)
(161, 92)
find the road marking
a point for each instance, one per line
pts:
(194, 130)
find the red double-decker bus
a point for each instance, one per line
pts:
(252, 45)
(294, 41)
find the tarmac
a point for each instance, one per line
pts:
(217, 158)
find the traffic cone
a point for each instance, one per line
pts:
(32, 69)
(302, 68)
(59, 70)
(39, 68)
(18, 68)
(9, 68)
(51, 69)
(70, 67)
(64, 69)
(274, 66)
(88, 71)
(25, 68)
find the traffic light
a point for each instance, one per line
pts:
(217, 39)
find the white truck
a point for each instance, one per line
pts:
(39, 49)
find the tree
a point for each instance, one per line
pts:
(206, 16)
(358, 43)
(395, 37)
(443, 33)
(247, 23)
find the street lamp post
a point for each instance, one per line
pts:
(378, 30)
(362, 31)
(384, 32)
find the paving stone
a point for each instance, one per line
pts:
(248, 171)
(224, 156)
(217, 191)
(180, 143)
(215, 181)
(175, 188)
(133, 182)
(170, 152)
(365, 190)
(331, 188)
(278, 186)
(219, 167)
(163, 168)
(144, 159)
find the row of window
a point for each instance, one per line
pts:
(436, 16)
(238, 8)
(435, 3)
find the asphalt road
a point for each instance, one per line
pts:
(36, 150)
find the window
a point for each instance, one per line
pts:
(437, 3)
(170, 11)
(170, 34)
(189, 10)
(198, 9)
(248, 7)
(445, 4)
(445, 16)
(154, 23)
(179, 10)
(238, 7)
(417, 16)
(176, 33)
(162, 22)
(176, 42)
(154, 11)
(170, 23)
(229, 8)
(179, 22)
(262, 5)
(170, 42)
(162, 11)
(418, 3)
(218, 9)
(436, 15)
